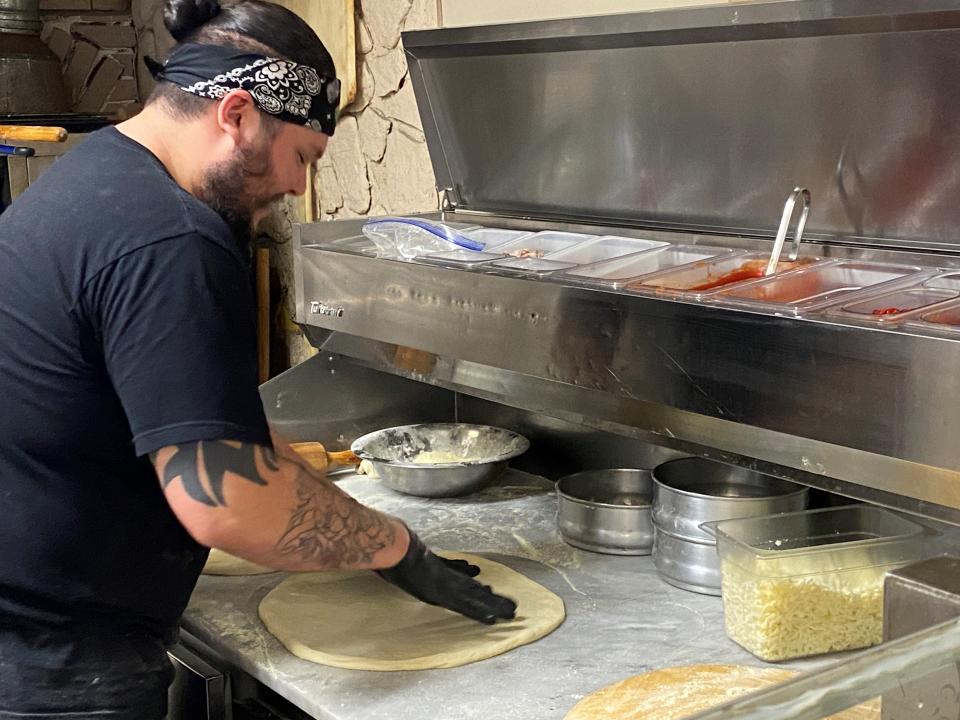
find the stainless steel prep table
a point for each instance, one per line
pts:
(621, 620)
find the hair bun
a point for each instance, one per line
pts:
(183, 17)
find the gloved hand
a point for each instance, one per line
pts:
(447, 583)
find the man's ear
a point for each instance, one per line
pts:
(238, 116)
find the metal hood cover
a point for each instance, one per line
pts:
(705, 119)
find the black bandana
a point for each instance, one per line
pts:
(281, 88)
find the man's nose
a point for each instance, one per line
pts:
(299, 184)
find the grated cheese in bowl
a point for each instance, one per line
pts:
(783, 618)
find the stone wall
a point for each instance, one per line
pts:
(96, 43)
(377, 162)
(153, 40)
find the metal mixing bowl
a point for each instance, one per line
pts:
(482, 454)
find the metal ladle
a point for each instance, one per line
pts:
(788, 207)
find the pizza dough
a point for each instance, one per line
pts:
(222, 563)
(359, 621)
(366, 468)
(678, 692)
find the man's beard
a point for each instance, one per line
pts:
(231, 189)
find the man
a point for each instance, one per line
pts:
(132, 435)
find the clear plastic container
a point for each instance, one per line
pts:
(896, 306)
(815, 287)
(540, 244)
(539, 267)
(709, 277)
(491, 237)
(461, 258)
(947, 316)
(622, 271)
(810, 582)
(359, 244)
(603, 248)
(945, 320)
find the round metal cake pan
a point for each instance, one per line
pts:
(607, 511)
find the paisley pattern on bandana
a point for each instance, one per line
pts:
(276, 85)
(285, 89)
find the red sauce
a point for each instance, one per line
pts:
(750, 270)
(888, 311)
(731, 277)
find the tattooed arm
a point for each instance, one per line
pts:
(269, 506)
(272, 508)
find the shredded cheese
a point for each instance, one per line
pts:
(783, 618)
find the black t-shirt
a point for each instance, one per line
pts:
(126, 325)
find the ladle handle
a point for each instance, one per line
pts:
(788, 207)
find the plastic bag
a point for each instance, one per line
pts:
(407, 238)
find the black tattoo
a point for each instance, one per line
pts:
(218, 459)
(331, 529)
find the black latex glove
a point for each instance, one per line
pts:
(447, 583)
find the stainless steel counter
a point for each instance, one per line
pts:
(621, 620)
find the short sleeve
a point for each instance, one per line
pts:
(175, 324)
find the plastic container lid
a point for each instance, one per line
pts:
(892, 307)
(818, 541)
(603, 248)
(467, 258)
(816, 287)
(713, 276)
(542, 243)
(622, 271)
(937, 320)
(943, 318)
(532, 266)
(948, 317)
(492, 237)
(356, 244)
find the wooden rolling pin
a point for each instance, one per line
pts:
(32, 133)
(318, 456)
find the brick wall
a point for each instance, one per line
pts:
(96, 43)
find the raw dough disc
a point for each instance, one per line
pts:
(678, 692)
(222, 563)
(360, 622)
(366, 468)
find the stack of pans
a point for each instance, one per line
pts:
(636, 512)
(692, 491)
